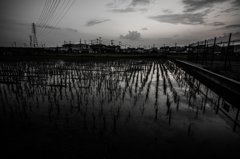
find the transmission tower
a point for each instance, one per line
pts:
(35, 43)
(30, 40)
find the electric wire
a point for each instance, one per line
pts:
(43, 11)
(64, 13)
(50, 3)
(53, 26)
(51, 13)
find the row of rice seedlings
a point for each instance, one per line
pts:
(75, 94)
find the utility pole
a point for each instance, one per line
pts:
(227, 53)
(35, 43)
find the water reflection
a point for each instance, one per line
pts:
(115, 101)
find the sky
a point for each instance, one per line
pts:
(133, 23)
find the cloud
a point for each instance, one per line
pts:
(217, 15)
(47, 27)
(167, 11)
(132, 35)
(230, 10)
(128, 10)
(235, 6)
(191, 19)
(72, 30)
(140, 2)
(114, 4)
(218, 23)
(144, 29)
(236, 3)
(232, 26)
(194, 5)
(94, 22)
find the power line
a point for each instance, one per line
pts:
(43, 11)
(49, 5)
(51, 13)
(64, 13)
(58, 15)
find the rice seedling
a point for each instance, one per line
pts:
(169, 117)
(178, 100)
(168, 104)
(156, 112)
(128, 117)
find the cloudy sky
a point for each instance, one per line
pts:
(133, 22)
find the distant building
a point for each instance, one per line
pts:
(76, 48)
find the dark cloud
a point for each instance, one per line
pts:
(232, 26)
(217, 15)
(94, 22)
(230, 10)
(236, 3)
(235, 6)
(218, 23)
(144, 28)
(116, 3)
(140, 2)
(72, 30)
(191, 19)
(132, 35)
(47, 27)
(193, 5)
(128, 10)
(167, 11)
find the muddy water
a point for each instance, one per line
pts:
(116, 108)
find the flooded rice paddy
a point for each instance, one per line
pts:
(123, 108)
